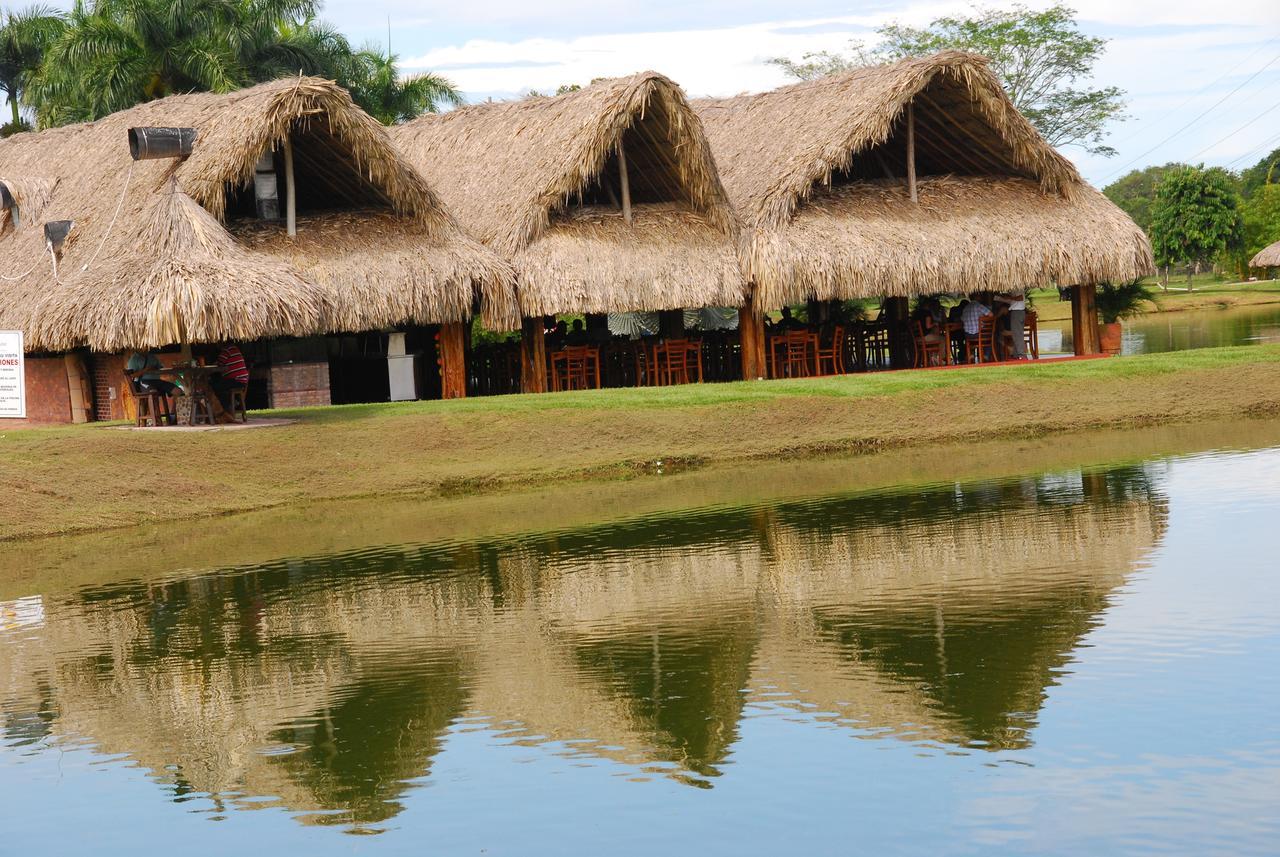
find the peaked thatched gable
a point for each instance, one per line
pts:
(817, 172)
(530, 179)
(136, 246)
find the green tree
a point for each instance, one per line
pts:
(1039, 56)
(1265, 172)
(1196, 217)
(1135, 192)
(1261, 220)
(377, 85)
(24, 37)
(114, 54)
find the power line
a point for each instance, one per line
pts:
(1270, 109)
(1202, 90)
(1264, 146)
(1205, 113)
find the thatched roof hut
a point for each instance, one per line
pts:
(817, 171)
(162, 250)
(1267, 257)
(539, 181)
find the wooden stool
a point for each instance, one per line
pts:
(201, 408)
(236, 400)
(150, 407)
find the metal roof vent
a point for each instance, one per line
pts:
(150, 143)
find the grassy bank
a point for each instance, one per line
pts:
(91, 477)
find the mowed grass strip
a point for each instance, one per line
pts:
(75, 478)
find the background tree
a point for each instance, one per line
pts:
(114, 54)
(1260, 216)
(1039, 56)
(1135, 192)
(1265, 172)
(1196, 217)
(376, 85)
(24, 37)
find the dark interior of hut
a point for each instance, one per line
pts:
(951, 138)
(326, 178)
(652, 172)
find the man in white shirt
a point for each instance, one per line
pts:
(1017, 302)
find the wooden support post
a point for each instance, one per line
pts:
(290, 196)
(671, 323)
(1084, 320)
(911, 153)
(751, 340)
(453, 360)
(625, 182)
(533, 356)
(898, 310)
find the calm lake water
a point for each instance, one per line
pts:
(1070, 662)
(1178, 331)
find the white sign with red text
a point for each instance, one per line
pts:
(13, 386)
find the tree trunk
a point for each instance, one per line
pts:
(13, 103)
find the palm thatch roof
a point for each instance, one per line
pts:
(1268, 257)
(148, 260)
(817, 171)
(537, 180)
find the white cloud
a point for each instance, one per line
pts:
(1162, 52)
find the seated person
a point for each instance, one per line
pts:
(787, 322)
(233, 374)
(143, 370)
(577, 335)
(971, 317)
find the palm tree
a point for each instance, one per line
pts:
(24, 37)
(376, 85)
(114, 54)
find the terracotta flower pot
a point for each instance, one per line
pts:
(1109, 337)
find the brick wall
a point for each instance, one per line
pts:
(109, 389)
(299, 385)
(48, 400)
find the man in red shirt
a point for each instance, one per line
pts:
(233, 374)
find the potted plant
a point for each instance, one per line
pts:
(1116, 302)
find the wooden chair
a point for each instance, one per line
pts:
(1031, 335)
(151, 406)
(695, 356)
(673, 362)
(237, 401)
(927, 353)
(875, 345)
(832, 354)
(795, 354)
(983, 347)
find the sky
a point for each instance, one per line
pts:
(1211, 67)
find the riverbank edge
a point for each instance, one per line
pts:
(447, 449)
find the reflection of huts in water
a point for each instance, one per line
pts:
(940, 616)
(197, 249)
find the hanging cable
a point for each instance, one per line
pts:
(1270, 109)
(1215, 105)
(1141, 130)
(119, 204)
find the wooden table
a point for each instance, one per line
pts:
(188, 377)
